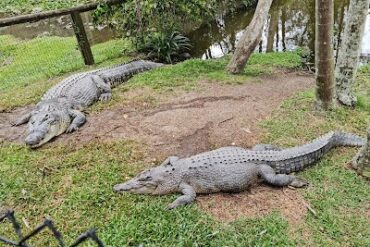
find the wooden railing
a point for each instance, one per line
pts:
(78, 27)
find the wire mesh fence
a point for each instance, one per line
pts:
(47, 224)
(49, 47)
(36, 55)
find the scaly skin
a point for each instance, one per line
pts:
(233, 169)
(61, 107)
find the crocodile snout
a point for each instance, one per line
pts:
(121, 187)
(34, 138)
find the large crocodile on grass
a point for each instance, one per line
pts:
(233, 169)
(60, 109)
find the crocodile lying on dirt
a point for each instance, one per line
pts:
(233, 169)
(61, 107)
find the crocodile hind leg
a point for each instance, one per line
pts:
(187, 197)
(105, 89)
(78, 120)
(268, 174)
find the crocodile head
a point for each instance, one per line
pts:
(43, 126)
(154, 181)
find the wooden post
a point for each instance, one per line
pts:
(83, 42)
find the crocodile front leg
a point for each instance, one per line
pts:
(187, 197)
(78, 120)
(269, 176)
(22, 120)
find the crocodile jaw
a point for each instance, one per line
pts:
(136, 187)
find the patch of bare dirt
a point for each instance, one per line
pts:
(192, 122)
(189, 123)
(9, 133)
(259, 201)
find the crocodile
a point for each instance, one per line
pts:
(233, 169)
(60, 109)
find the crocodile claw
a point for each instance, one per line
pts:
(298, 183)
(15, 123)
(105, 97)
(72, 128)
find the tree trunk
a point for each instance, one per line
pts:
(349, 51)
(324, 60)
(273, 25)
(340, 29)
(361, 162)
(250, 39)
(283, 30)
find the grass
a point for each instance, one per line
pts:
(26, 6)
(363, 83)
(32, 71)
(338, 195)
(190, 72)
(35, 65)
(73, 184)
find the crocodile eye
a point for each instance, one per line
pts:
(147, 178)
(46, 117)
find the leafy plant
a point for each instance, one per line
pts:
(167, 48)
(138, 19)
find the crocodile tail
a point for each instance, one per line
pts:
(120, 73)
(347, 139)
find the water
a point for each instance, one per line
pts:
(291, 25)
(59, 26)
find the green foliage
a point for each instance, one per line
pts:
(138, 19)
(165, 47)
(26, 6)
(306, 55)
(363, 84)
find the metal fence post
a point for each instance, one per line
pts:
(83, 42)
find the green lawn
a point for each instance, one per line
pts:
(35, 65)
(73, 185)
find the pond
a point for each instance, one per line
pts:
(60, 26)
(291, 25)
